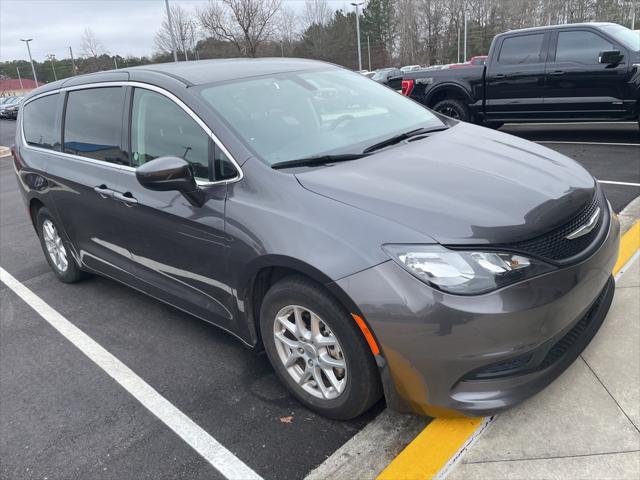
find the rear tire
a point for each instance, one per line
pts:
(452, 108)
(305, 347)
(56, 249)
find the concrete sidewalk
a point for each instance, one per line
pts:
(585, 425)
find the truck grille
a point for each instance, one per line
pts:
(554, 245)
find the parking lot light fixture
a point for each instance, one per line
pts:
(27, 40)
(357, 5)
(51, 57)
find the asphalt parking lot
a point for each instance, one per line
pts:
(62, 417)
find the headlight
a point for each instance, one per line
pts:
(464, 272)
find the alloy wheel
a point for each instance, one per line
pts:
(55, 247)
(450, 112)
(310, 352)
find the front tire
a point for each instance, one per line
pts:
(452, 108)
(316, 350)
(56, 249)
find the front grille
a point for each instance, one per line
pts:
(554, 245)
(534, 361)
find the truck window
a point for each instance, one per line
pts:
(581, 46)
(521, 49)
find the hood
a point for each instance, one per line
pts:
(466, 185)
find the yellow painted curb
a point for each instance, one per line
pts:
(433, 448)
(425, 456)
(629, 244)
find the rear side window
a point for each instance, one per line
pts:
(93, 124)
(161, 128)
(521, 49)
(39, 120)
(581, 46)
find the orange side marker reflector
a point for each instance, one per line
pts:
(367, 334)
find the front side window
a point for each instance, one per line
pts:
(93, 124)
(295, 115)
(521, 49)
(581, 46)
(160, 128)
(39, 122)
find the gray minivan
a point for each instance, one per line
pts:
(367, 244)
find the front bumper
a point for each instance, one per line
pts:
(447, 355)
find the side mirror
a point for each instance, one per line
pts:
(170, 173)
(610, 57)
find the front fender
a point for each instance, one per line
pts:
(458, 88)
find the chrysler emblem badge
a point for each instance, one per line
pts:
(587, 227)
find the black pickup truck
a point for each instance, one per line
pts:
(576, 72)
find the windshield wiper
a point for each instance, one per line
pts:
(319, 160)
(403, 136)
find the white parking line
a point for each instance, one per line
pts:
(219, 457)
(573, 123)
(611, 182)
(619, 144)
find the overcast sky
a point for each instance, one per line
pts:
(125, 27)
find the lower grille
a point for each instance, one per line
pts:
(581, 332)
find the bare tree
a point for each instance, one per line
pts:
(184, 28)
(245, 23)
(316, 12)
(90, 45)
(287, 28)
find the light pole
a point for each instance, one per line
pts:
(465, 36)
(73, 62)
(173, 35)
(357, 5)
(19, 78)
(51, 57)
(33, 69)
(369, 52)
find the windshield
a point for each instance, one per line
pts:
(295, 115)
(380, 74)
(628, 38)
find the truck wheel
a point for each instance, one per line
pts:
(455, 109)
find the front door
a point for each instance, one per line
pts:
(176, 247)
(580, 87)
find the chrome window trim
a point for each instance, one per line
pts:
(145, 86)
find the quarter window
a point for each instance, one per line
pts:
(521, 49)
(161, 128)
(39, 120)
(581, 46)
(93, 124)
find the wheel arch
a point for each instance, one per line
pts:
(447, 90)
(35, 204)
(268, 270)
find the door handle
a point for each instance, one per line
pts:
(126, 197)
(103, 191)
(499, 75)
(557, 73)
